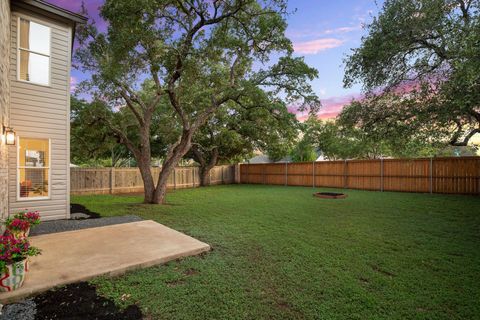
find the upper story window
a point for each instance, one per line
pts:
(34, 52)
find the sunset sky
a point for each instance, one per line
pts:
(323, 31)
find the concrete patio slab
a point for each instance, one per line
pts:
(80, 255)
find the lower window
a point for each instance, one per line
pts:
(33, 168)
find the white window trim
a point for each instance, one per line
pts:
(19, 49)
(23, 167)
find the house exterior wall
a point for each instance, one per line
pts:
(38, 111)
(4, 101)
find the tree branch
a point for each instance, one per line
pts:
(124, 139)
(130, 105)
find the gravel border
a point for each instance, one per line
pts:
(69, 225)
(24, 310)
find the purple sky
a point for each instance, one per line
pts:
(323, 31)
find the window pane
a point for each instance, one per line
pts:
(34, 67)
(33, 182)
(34, 153)
(34, 37)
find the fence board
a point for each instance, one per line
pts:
(457, 175)
(129, 180)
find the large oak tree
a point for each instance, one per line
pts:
(419, 65)
(198, 56)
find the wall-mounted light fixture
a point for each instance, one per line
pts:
(9, 134)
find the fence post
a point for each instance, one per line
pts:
(233, 174)
(263, 173)
(381, 174)
(478, 176)
(313, 174)
(174, 180)
(431, 175)
(210, 177)
(223, 181)
(112, 179)
(286, 173)
(193, 176)
(345, 174)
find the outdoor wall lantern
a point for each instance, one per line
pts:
(9, 134)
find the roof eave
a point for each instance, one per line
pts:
(58, 11)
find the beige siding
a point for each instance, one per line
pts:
(43, 112)
(4, 101)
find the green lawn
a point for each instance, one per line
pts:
(279, 253)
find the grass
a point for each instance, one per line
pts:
(279, 253)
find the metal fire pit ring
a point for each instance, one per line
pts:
(330, 195)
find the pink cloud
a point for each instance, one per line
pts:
(292, 109)
(331, 107)
(342, 30)
(316, 32)
(316, 46)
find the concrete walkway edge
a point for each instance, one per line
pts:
(68, 257)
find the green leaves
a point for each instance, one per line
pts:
(197, 57)
(254, 123)
(427, 54)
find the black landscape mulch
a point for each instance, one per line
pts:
(74, 207)
(81, 301)
(94, 220)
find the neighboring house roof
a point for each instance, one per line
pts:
(54, 11)
(262, 158)
(285, 159)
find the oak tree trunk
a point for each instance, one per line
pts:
(169, 164)
(204, 176)
(205, 166)
(205, 179)
(148, 183)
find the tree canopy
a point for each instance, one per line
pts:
(235, 132)
(92, 142)
(419, 66)
(191, 58)
(338, 140)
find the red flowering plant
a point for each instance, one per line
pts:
(17, 225)
(20, 223)
(32, 217)
(15, 250)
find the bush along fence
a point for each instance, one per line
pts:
(129, 180)
(459, 175)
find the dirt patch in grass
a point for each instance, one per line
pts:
(380, 270)
(190, 272)
(364, 281)
(456, 254)
(81, 301)
(174, 283)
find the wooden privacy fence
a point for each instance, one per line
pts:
(435, 175)
(127, 180)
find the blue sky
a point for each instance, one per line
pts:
(323, 31)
